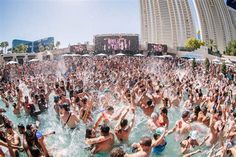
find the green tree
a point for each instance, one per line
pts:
(207, 65)
(193, 44)
(58, 44)
(2, 46)
(223, 68)
(211, 45)
(231, 48)
(20, 48)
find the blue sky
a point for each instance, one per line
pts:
(69, 21)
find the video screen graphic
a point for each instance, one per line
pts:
(78, 48)
(157, 47)
(116, 42)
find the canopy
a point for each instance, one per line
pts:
(75, 55)
(216, 60)
(139, 55)
(12, 62)
(101, 54)
(228, 61)
(34, 60)
(167, 56)
(67, 55)
(86, 55)
(120, 54)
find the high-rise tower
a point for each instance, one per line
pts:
(166, 21)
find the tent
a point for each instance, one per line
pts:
(67, 55)
(34, 60)
(139, 55)
(12, 62)
(86, 55)
(120, 54)
(101, 55)
(167, 56)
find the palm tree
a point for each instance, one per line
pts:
(212, 45)
(58, 44)
(2, 46)
(6, 44)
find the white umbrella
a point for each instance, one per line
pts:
(86, 55)
(101, 55)
(167, 56)
(34, 60)
(228, 61)
(120, 54)
(12, 62)
(75, 55)
(139, 55)
(67, 55)
(215, 60)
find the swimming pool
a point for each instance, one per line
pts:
(71, 143)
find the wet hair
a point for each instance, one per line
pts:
(56, 99)
(28, 127)
(117, 152)
(105, 129)
(65, 106)
(185, 114)
(197, 109)
(8, 126)
(149, 102)
(124, 122)
(110, 108)
(88, 133)
(146, 141)
(84, 100)
(155, 136)
(164, 110)
(21, 126)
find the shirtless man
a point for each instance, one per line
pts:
(122, 129)
(104, 142)
(152, 121)
(182, 126)
(67, 118)
(12, 139)
(143, 148)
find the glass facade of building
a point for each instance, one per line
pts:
(34, 46)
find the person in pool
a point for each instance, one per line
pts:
(117, 152)
(21, 129)
(159, 143)
(122, 129)
(163, 119)
(103, 143)
(152, 121)
(141, 149)
(12, 139)
(182, 126)
(107, 116)
(190, 142)
(67, 118)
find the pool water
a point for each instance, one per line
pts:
(70, 143)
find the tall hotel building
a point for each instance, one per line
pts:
(171, 22)
(166, 21)
(216, 22)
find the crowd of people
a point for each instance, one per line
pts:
(207, 98)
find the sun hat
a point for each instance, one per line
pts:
(193, 135)
(160, 131)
